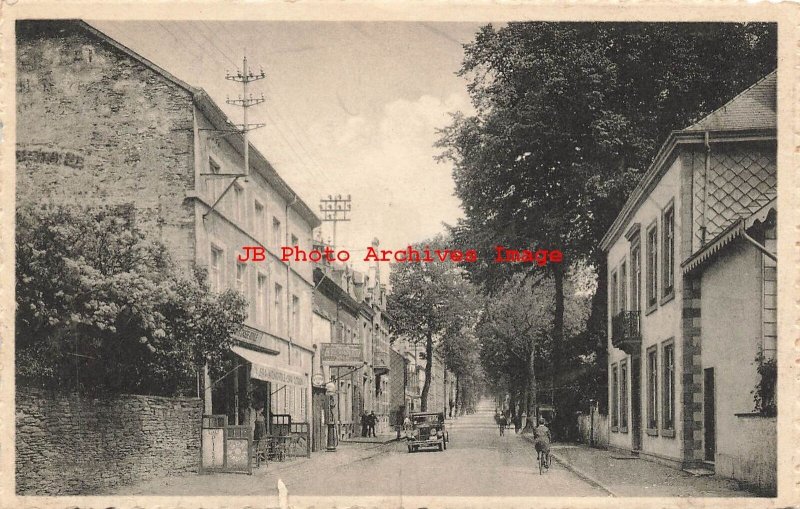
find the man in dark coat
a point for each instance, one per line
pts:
(372, 420)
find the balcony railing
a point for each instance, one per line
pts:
(626, 333)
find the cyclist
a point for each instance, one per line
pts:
(502, 422)
(542, 438)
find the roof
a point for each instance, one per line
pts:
(737, 229)
(752, 109)
(202, 100)
(748, 116)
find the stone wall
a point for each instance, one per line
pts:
(70, 445)
(95, 126)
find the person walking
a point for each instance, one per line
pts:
(502, 422)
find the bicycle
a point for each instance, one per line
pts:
(544, 461)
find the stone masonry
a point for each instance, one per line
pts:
(69, 445)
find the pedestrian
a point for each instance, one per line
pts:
(502, 422)
(452, 406)
(372, 420)
(364, 425)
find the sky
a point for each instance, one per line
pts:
(351, 108)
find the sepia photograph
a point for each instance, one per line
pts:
(401, 259)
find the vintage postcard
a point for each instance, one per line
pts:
(467, 254)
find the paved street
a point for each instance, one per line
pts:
(478, 462)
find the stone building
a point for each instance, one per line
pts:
(121, 130)
(692, 295)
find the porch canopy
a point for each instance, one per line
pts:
(261, 369)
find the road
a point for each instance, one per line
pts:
(477, 462)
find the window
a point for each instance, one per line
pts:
(668, 403)
(295, 324)
(241, 274)
(214, 185)
(239, 214)
(260, 225)
(215, 269)
(261, 300)
(652, 389)
(276, 233)
(614, 294)
(623, 396)
(277, 323)
(636, 274)
(614, 397)
(652, 271)
(623, 280)
(668, 252)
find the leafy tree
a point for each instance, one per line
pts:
(516, 340)
(568, 117)
(430, 303)
(102, 309)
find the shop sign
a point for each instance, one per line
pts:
(342, 354)
(276, 375)
(249, 335)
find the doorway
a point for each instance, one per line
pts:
(709, 421)
(636, 403)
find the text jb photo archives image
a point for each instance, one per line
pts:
(399, 258)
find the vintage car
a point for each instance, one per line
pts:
(427, 430)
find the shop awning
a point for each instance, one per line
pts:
(262, 369)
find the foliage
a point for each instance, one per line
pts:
(431, 303)
(100, 308)
(567, 118)
(765, 391)
(517, 323)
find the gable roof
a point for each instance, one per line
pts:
(751, 115)
(200, 98)
(755, 108)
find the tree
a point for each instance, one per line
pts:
(429, 303)
(101, 308)
(568, 117)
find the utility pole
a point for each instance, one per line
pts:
(245, 102)
(335, 209)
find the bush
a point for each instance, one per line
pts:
(101, 308)
(764, 393)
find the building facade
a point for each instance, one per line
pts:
(691, 293)
(128, 132)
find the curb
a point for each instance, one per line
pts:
(577, 471)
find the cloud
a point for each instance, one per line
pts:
(400, 193)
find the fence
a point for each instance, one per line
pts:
(593, 428)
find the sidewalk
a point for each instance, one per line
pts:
(382, 438)
(262, 482)
(638, 477)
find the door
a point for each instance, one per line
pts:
(317, 421)
(709, 421)
(636, 403)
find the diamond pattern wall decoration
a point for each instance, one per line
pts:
(741, 180)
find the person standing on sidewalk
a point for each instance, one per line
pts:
(372, 420)
(502, 422)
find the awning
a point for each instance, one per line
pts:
(261, 369)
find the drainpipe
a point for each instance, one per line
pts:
(706, 167)
(288, 277)
(759, 246)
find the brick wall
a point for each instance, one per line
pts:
(67, 445)
(692, 373)
(96, 126)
